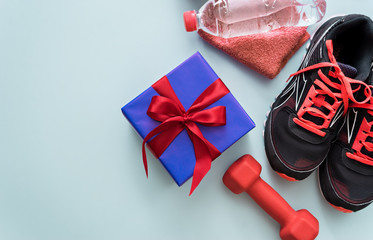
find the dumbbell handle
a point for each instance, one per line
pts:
(270, 201)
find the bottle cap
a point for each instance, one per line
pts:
(190, 21)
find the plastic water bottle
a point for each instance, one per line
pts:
(233, 18)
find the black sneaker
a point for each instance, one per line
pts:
(307, 116)
(346, 177)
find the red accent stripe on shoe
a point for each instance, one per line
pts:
(341, 209)
(284, 176)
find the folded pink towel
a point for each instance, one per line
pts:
(266, 53)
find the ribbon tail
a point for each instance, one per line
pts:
(161, 142)
(201, 168)
(144, 159)
(158, 130)
(203, 154)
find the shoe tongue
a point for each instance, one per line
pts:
(348, 70)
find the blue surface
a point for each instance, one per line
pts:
(70, 164)
(188, 81)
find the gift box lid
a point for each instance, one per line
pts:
(188, 81)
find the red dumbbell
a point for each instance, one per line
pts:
(244, 176)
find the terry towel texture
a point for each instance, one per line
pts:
(266, 53)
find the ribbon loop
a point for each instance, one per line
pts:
(212, 117)
(162, 108)
(168, 110)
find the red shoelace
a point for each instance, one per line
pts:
(364, 134)
(340, 92)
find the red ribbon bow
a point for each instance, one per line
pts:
(168, 109)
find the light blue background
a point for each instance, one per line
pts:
(70, 164)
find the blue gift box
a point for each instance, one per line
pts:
(188, 81)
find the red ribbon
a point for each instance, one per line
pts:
(168, 109)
